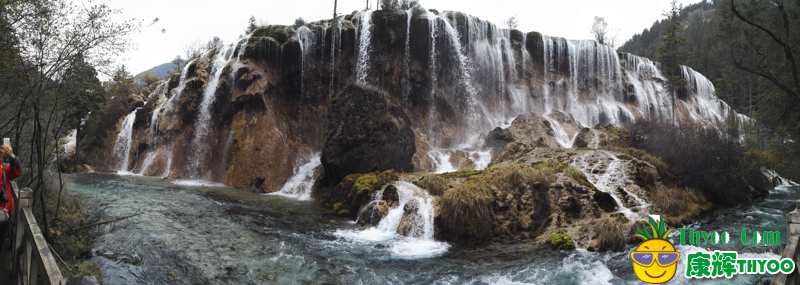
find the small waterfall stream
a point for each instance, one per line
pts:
(200, 144)
(419, 242)
(299, 186)
(122, 146)
(364, 41)
(607, 179)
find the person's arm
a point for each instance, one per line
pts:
(15, 168)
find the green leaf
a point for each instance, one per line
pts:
(641, 236)
(653, 226)
(666, 235)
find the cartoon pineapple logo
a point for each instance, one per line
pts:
(655, 260)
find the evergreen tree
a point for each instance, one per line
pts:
(84, 95)
(670, 54)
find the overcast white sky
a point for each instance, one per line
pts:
(188, 21)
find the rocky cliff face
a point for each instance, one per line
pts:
(243, 113)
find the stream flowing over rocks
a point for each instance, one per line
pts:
(221, 235)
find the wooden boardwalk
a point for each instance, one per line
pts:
(26, 258)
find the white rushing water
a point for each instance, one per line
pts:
(779, 180)
(299, 186)
(200, 144)
(122, 146)
(364, 40)
(558, 131)
(420, 242)
(606, 172)
(69, 144)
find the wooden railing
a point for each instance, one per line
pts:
(33, 262)
(792, 250)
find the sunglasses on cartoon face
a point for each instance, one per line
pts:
(646, 258)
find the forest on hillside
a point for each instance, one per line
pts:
(749, 50)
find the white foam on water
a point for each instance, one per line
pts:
(420, 242)
(197, 183)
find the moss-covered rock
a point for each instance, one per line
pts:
(561, 240)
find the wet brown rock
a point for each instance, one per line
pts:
(367, 132)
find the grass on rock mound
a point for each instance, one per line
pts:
(467, 211)
(678, 205)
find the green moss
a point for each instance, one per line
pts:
(280, 33)
(365, 183)
(343, 213)
(337, 206)
(561, 240)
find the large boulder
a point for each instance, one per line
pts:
(367, 132)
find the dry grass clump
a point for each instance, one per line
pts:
(435, 184)
(578, 175)
(517, 179)
(466, 211)
(680, 204)
(610, 235)
(653, 160)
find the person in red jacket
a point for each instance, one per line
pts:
(9, 172)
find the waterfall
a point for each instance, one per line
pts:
(595, 143)
(778, 180)
(419, 243)
(235, 68)
(122, 146)
(432, 67)
(407, 59)
(200, 142)
(304, 36)
(300, 184)
(607, 179)
(365, 37)
(558, 132)
(159, 95)
(336, 42)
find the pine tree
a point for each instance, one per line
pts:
(670, 54)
